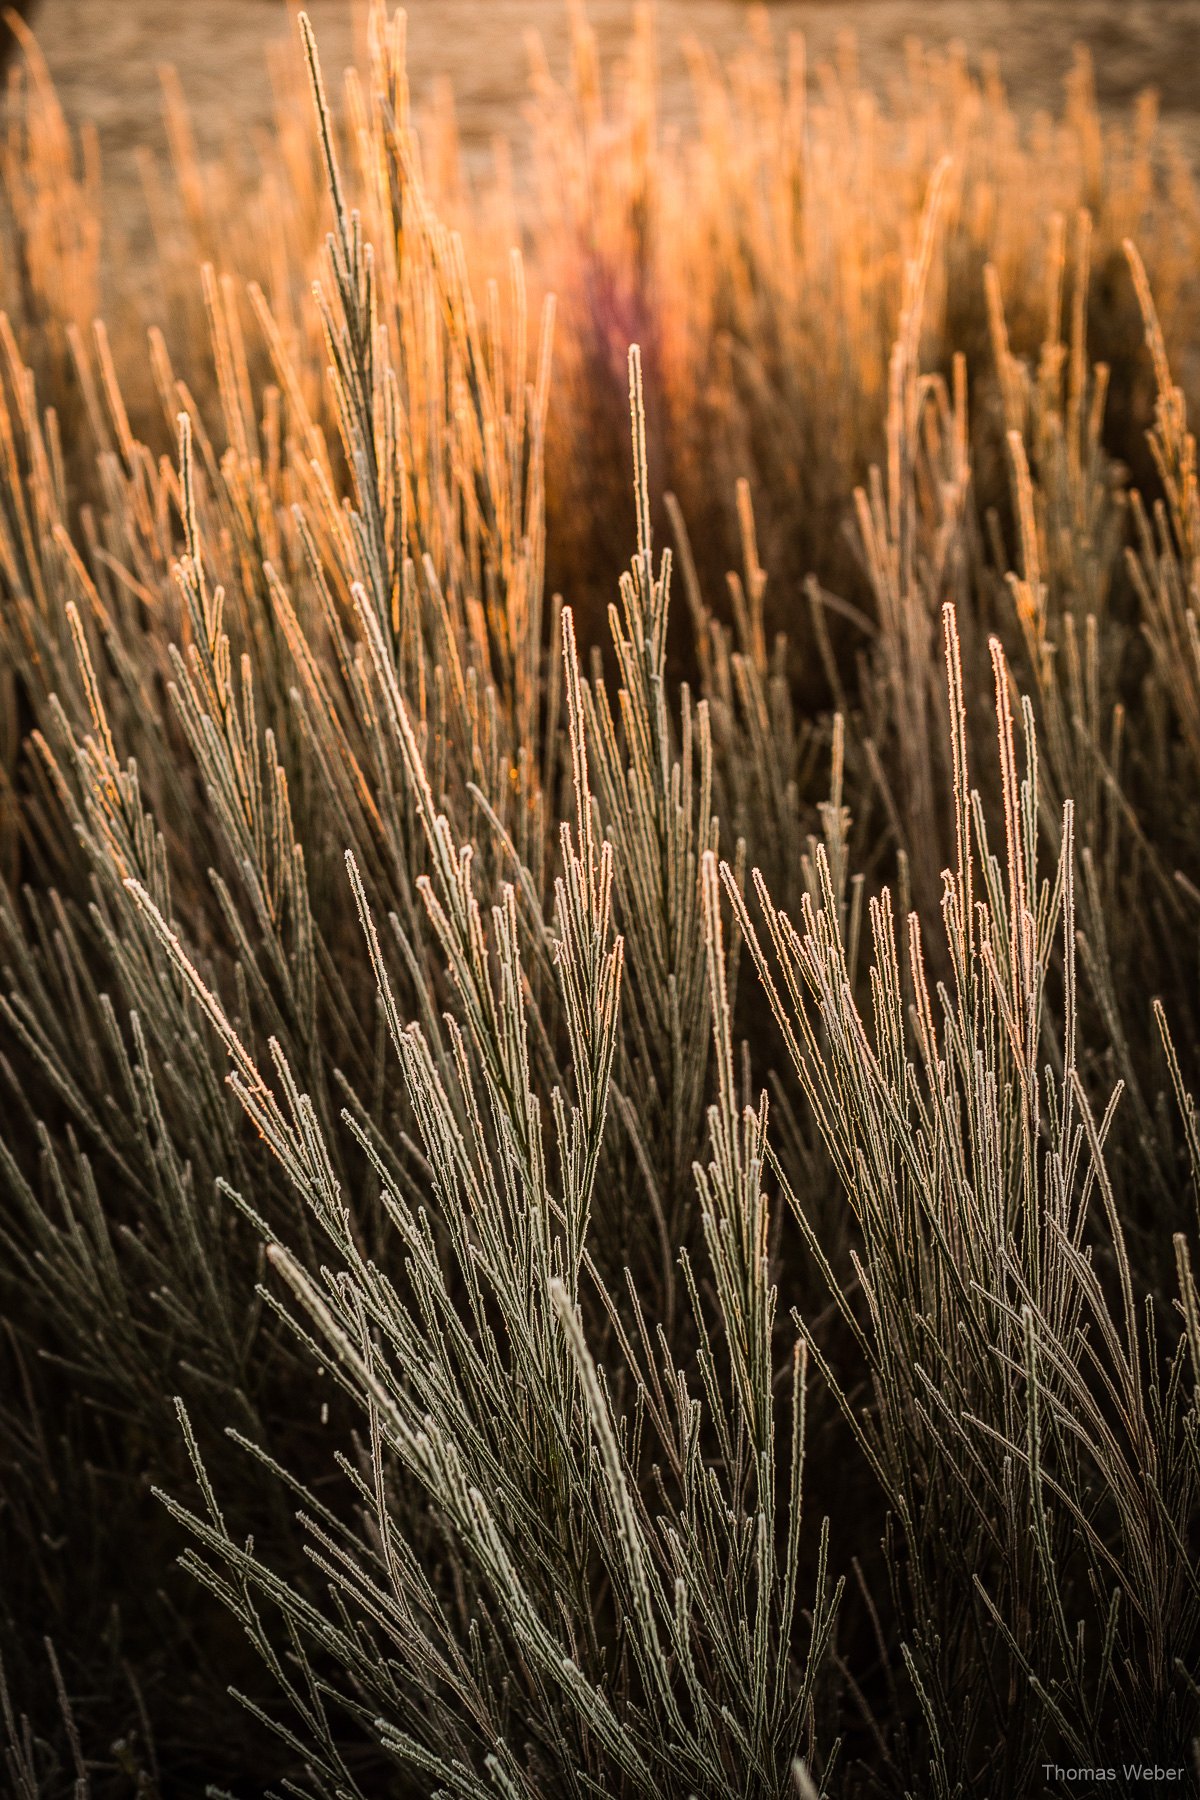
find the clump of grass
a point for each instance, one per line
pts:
(503, 1395)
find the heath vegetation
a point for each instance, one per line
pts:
(598, 1171)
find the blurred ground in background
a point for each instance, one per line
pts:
(105, 55)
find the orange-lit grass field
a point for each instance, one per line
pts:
(601, 877)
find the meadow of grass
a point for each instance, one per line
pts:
(601, 948)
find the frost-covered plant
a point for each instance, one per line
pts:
(386, 994)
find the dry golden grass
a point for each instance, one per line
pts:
(759, 262)
(282, 626)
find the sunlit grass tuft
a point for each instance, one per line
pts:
(599, 1193)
